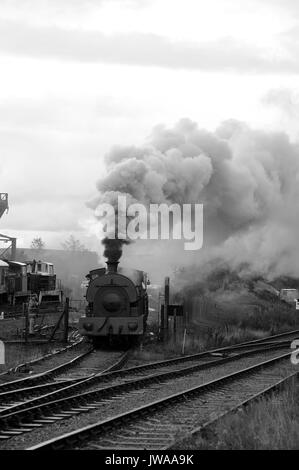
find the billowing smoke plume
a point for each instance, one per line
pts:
(246, 179)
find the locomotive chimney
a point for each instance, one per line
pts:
(111, 266)
(113, 252)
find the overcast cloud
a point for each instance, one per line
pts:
(80, 76)
(226, 53)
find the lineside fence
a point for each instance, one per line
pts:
(51, 323)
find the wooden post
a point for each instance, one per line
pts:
(166, 303)
(184, 342)
(66, 319)
(65, 315)
(174, 325)
(26, 313)
(56, 327)
(162, 324)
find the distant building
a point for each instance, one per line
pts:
(289, 295)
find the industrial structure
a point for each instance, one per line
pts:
(22, 281)
(10, 250)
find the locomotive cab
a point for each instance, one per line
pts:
(16, 281)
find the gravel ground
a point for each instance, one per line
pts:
(136, 398)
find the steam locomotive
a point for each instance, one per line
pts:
(117, 304)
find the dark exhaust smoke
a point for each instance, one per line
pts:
(113, 251)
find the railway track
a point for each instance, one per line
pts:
(273, 337)
(10, 397)
(13, 407)
(25, 365)
(33, 380)
(32, 386)
(156, 424)
(279, 385)
(65, 403)
(42, 377)
(58, 395)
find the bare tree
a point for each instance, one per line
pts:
(71, 244)
(37, 245)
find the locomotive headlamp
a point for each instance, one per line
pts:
(112, 302)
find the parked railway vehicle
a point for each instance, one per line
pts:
(19, 282)
(117, 304)
(41, 280)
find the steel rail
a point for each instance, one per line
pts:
(99, 429)
(43, 407)
(43, 376)
(25, 365)
(40, 377)
(19, 411)
(64, 388)
(279, 386)
(7, 391)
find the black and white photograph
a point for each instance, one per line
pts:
(149, 229)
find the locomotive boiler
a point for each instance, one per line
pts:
(117, 304)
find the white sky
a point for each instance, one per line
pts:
(78, 76)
